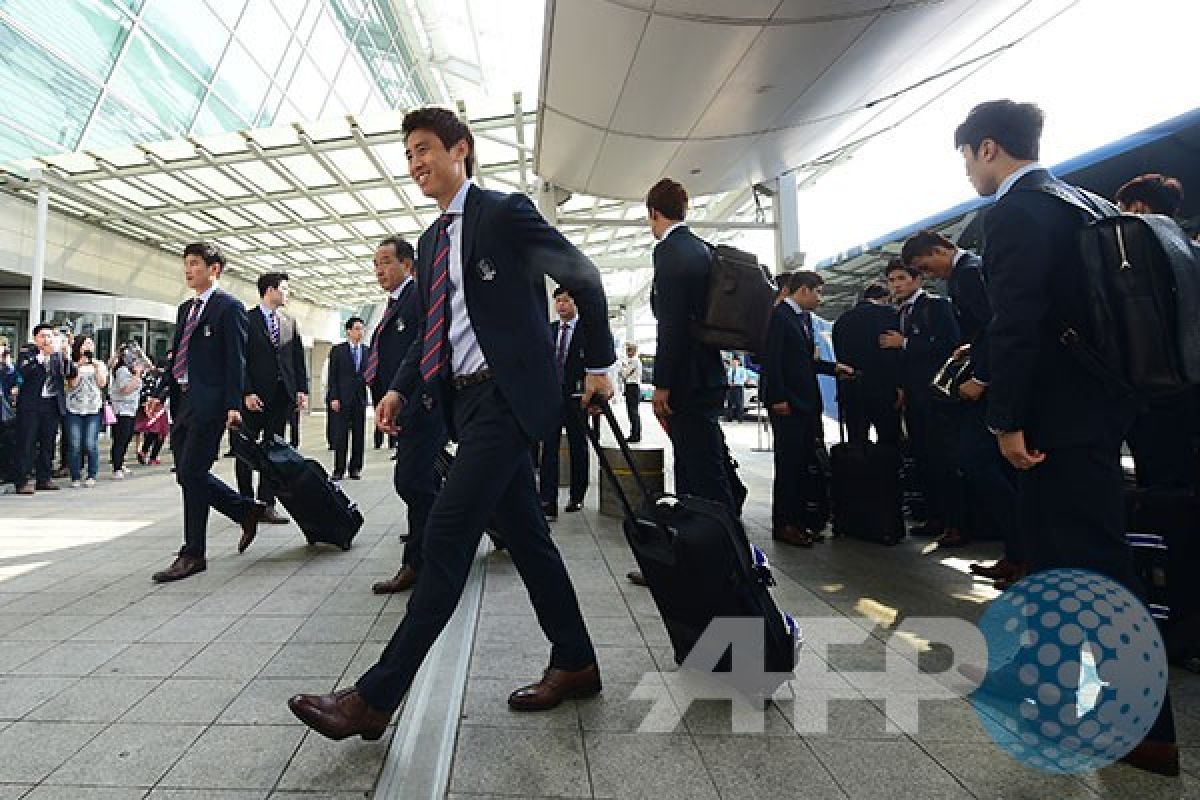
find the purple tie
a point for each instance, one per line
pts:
(560, 353)
(180, 365)
(373, 358)
(435, 350)
(274, 330)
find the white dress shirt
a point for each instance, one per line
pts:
(1008, 182)
(466, 356)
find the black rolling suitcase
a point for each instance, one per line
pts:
(700, 566)
(322, 510)
(867, 495)
(1163, 529)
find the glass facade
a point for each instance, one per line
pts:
(82, 74)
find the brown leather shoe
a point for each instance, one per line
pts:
(250, 524)
(555, 686)
(636, 577)
(404, 580)
(25, 488)
(793, 535)
(185, 566)
(1161, 758)
(47, 486)
(272, 517)
(340, 714)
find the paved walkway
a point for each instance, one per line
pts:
(112, 687)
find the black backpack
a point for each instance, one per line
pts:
(737, 310)
(1143, 299)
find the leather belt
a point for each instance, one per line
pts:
(475, 378)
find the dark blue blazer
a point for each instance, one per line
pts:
(573, 370)
(395, 333)
(682, 265)
(790, 365)
(972, 309)
(507, 252)
(33, 374)
(216, 357)
(856, 342)
(932, 333)
(1035, 281)
(345, 383)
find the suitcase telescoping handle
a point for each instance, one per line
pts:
(594, 437)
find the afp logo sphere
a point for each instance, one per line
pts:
(1077, 671)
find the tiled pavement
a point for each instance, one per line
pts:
(112, 687)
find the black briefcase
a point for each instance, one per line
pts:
(322, 510)
(700, 566)
(867, 497)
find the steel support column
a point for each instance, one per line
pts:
(787, 224)
(38, 278)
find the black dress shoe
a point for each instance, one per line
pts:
(355, 476)
(1160, 758)
(555, 686)
(337, 476)
(550, 510)
(47, 486)
(184, 566)
(272, 517)
(340, 714)
(633, 439)
(574, 505)
(636, 577)
(250, 524)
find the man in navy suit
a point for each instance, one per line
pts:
(348, 399)
(689, 377)
(396, 330)
(1054, 420)
(990, 480)
(204, 379)
(568, 365)
(485, 360)
(276, 382)
(423, 429)
(927, 336)
(41, 405)
(871, 400)
(793, 400)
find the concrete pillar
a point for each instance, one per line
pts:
(549, 209)
(318, 375)
(788, 254)
(38, 278)
(630, 329)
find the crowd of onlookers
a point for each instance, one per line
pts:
(59, 400)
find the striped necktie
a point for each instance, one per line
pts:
(179, 366)
(435, 349)
(373, 358)
(274, 326)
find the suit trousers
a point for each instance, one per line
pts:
(1163, 441)
(577, 445)
(795, 437)
(422, 437)
(195, 443)
(492, 474)
(990, 482)
(699, 447)
(37, 428)
(863, 407)
(349, 431)
(735, 403)
(277, 410)
(633, 405)
(932, 430)
(1073, 508)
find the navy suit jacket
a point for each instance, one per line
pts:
(346, 384)
(682, 265)
(216, 357)
(266, 366)
(395, 333)
(932, 333)
(573, 370)
(507, 252)
(790, 365)
(33, 374)
(972, 309)
(1035, 280)
(856, 342)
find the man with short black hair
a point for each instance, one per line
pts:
(872, 399)
(348, 399)
(204, 378)
(1151, 193)
(689, 376)
(569, 367)
(276, 381)
(1054, 420)
(43, 369)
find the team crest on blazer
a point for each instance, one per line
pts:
(486, 271)
(399, 325)
(208, 330)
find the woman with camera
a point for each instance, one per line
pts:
(127, 368)
(85, 399)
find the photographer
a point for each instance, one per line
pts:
(40, 406)
(85, 399)
(128, 366)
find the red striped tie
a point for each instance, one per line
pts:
(435, 350)
(373, 358)
(179, 365)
